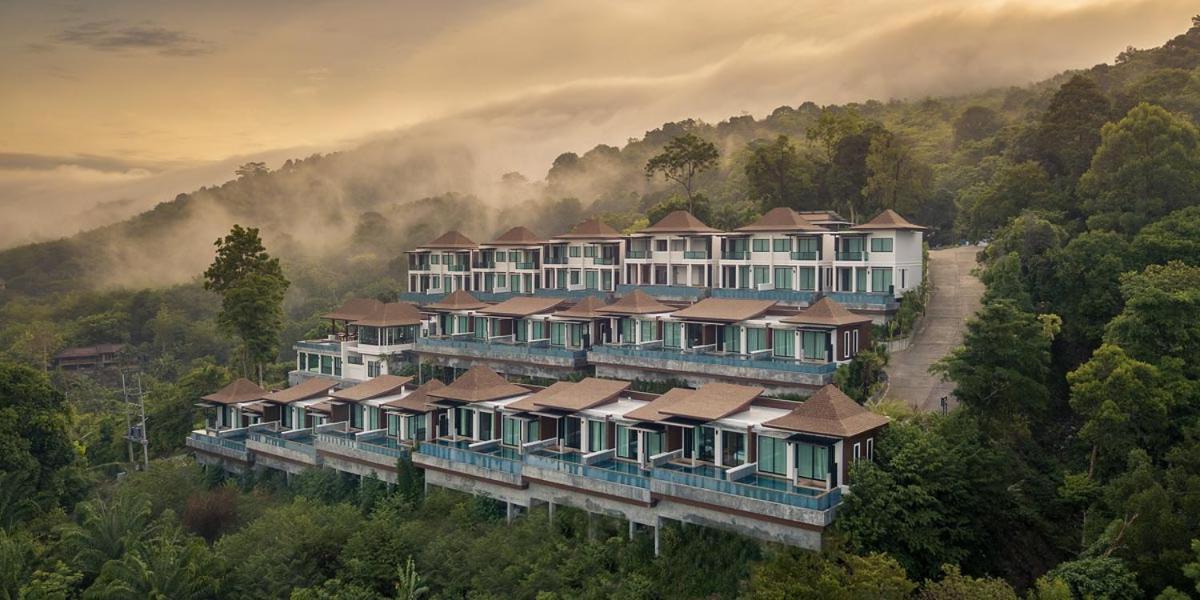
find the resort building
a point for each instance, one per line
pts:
(368, 336)
(510, 263)
(88, 358)
(586, 258)
(720, 455)
(443, 265)
(677, 251)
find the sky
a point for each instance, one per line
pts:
(109, 106)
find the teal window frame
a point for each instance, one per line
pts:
(511, 431)
(573, 251)
(881, 279)
(597, 435)
(781, 245)
(671, 335)
(808, 279)
(783, 344)
(783, 278)
(812, 461)
(882, 244)
(760, 245)
(627, 442)
(756, 339)
(813, 344)
(772, 455)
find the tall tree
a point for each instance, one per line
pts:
(1173, 237)
(976, 123)
(1069, 130)
(779, 176)
(985, 207)
(252, 286)
(896, 178)
(1147, 165)
(1161, 318)
(1000, 370)
(35, 442)
(681, 160)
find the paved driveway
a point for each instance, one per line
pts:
(955, 299)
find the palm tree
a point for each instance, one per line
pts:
(172, 566)
(107, 530)
(409, 587)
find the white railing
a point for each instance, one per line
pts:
(741, 472)
(663, 458)
(599, 456)
(484, 445)
(537, 445)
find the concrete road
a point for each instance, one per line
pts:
(955, 299)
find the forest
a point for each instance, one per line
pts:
(1070, 469)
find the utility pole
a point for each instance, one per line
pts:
(136, 433)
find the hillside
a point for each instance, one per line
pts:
(361, 208)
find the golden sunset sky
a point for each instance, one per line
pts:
(133, 101)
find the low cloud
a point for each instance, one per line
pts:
(111, 36)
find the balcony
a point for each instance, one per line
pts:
(695, 255)
(636, 254)
(291, 451)
(228, 444)
(555, 260)
(606, 476)
(527, 266)
(322, 346)
(495, 463)
(866, 300)
(604, 260)
(857, 256)
(789, 297)
(370, 449)
(759, 366)
(456, 268)
(483, 265)
(778, 499)
(735, 255)
(673, 292)
(806, 255)
(553, 356)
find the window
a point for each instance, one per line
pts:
(416, 425)
(574, 250)
(660, 245)
(606, 281)
(782, 245)
(772, 455)
(812, 462)
(733, 338)
(501, 280)
(783, 278)
(733, 448)
(627, 334)
(813, 344)
(481, 328)
(743, 277)
(808, 278)
(671, 336)
(511, 435)
(589, 251)
(756, 339)
(870, 448)
(654, 443)
(759, 245)
(373, 368)
(881, 279)
(678, 245)
(314, 362)
(860, 280)
(854, 345)
(464, 422)
(539, 330)
(393, 425)
(575, 277)
(590, 280)
(857, 451)
(434, 259)
(485, 426)
(846, 344)
(785, 344)
(649, 331)
(706, 444)
(571, 432)
(576, 332)
(556, 334)
(808, 248)
(596, 433)
(761, 274)
(356, 416)
(627, 442)
(881, 244)
(463, 325)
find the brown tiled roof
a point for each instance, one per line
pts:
(888, 219)
(310, 388)
(322, 407)
(826, 312)
(653, 410)
(457, 300)
(418, 400)
(479, 384)
(821, 217)
(590, 229)
(724, 310)
(590, 307)
(354, 309)
(714, 401)
(392, 314)
(680, 221)
(582, 395)
(637, 302)
(382, 385)
(782, 219)
(241, 390)
(517, 236)
(829, 412)
(452, 240)
(523, 306)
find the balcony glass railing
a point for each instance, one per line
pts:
(757, 361)
(735, 255)
(664, 291)
(203, 439)
(555, 260)
(695, 254)
(818, 500)
(526, 266)
(608, 471)
(327, 346)
(852, 256)
(637, 254)
(501, 350)
(491, 462)
(805, 255)
(788, 296)
(879, 298)
(456, 268)
(301, 444)
(604, 260)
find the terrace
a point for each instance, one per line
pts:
(535, 352)
(759, 366)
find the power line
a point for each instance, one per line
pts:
(136, 433)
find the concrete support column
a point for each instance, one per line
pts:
(791, 462)
(657, 536)
(717, 447)
(584, 432)
(550, 509)
(508, 512)
(641, 446)
(591, 526)
(632, 529)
